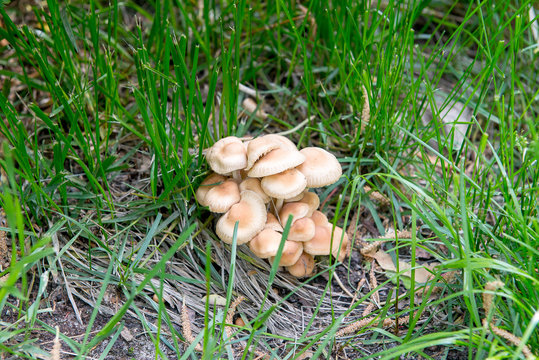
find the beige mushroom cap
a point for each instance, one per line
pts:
(320, 167)
(273, 223)
(320, 244)
(259, 147)
(283, 141)
(253, 184)
(209, 182)
(302, 230)
(297, 197)
(250, 213)
(266, 243)
(312, 200)
(221, 197)
(319, 218)
(226, 155)
(284, 185)
(298, 211)
(276, 161)
(303, 267)
(292, 250)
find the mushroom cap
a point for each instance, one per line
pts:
(297, 197)
(320, 244)
(302, 230)
(292, 250)
(320, 219)
(250, 213)
(259, 147)
(312, 200)
(303, 267)
(226, 155)
(320, 167)
(298, 211)
(221, 197)
(284, 185)
(273, 223)
(276, 161)
(253, 184)
(266, 243)
(283, 141)
(209, 182)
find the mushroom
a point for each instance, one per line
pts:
(312, 200)
(273, 171)
(209, 182)
(284, 185)
(253, 184)
(221, 197)
(297, 197)
(320, 167)
(250, 213)
(259, 147)
(303, 267)
(298, 211)
(302, 230)
(276, 161)
(228, 155)
(319, 218)
(321, 243)
(283, 141)
(292, 250)
(266, 243)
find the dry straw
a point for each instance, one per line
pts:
(230, 315)
(4, 253)
(56, 347)
(186, 328)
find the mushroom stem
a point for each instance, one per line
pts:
(278, 204)
(236, 175)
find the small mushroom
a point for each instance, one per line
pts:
(227, 155)
(297, 197)
(291, 252)
(259, 147)
(284, 185)
(266, 243)
(303, 267)
(221, 197)
(251, 215)
(298, 211)
(319, 218)
(253, 184)
(321, 243)
(320, 167)
(276, 161)
(209, 182)
(312, 200)
(302, 230)
(283, 141)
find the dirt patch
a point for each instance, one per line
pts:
(58, 312)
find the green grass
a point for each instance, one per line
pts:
(106, 109)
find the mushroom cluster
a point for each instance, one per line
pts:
(259, 184)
